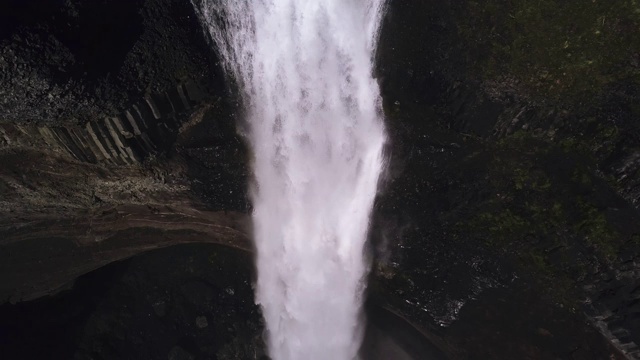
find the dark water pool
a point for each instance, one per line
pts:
(183, 302)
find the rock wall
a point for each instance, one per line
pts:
(500, 181)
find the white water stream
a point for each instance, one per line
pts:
(305, 71)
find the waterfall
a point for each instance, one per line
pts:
(313, 108)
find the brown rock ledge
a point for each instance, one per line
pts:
(43, 256)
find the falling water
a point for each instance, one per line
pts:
(313, 109)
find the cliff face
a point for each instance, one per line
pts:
(514, 137)
(114, 126)
(509, 213)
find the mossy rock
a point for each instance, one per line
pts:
(547, 212)
(569, 50)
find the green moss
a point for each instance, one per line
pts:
(538, 262)
(597, 231)
(519, 140)
(533, 217)
(502, 226)
(551, 47)
(573, 144)
(581, 177)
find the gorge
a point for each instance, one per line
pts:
(506, 225)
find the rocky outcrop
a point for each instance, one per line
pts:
(75, 61)
(103, 133)
(148, 128)
(43, 256)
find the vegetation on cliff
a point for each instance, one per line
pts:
(558, 49)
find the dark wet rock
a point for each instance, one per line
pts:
(110, 313)
(491, 185)
(115, 315)
(160, 308)
(201, 322)
(178, 353)
(74, 61)
(43, 257)
(537, 332)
